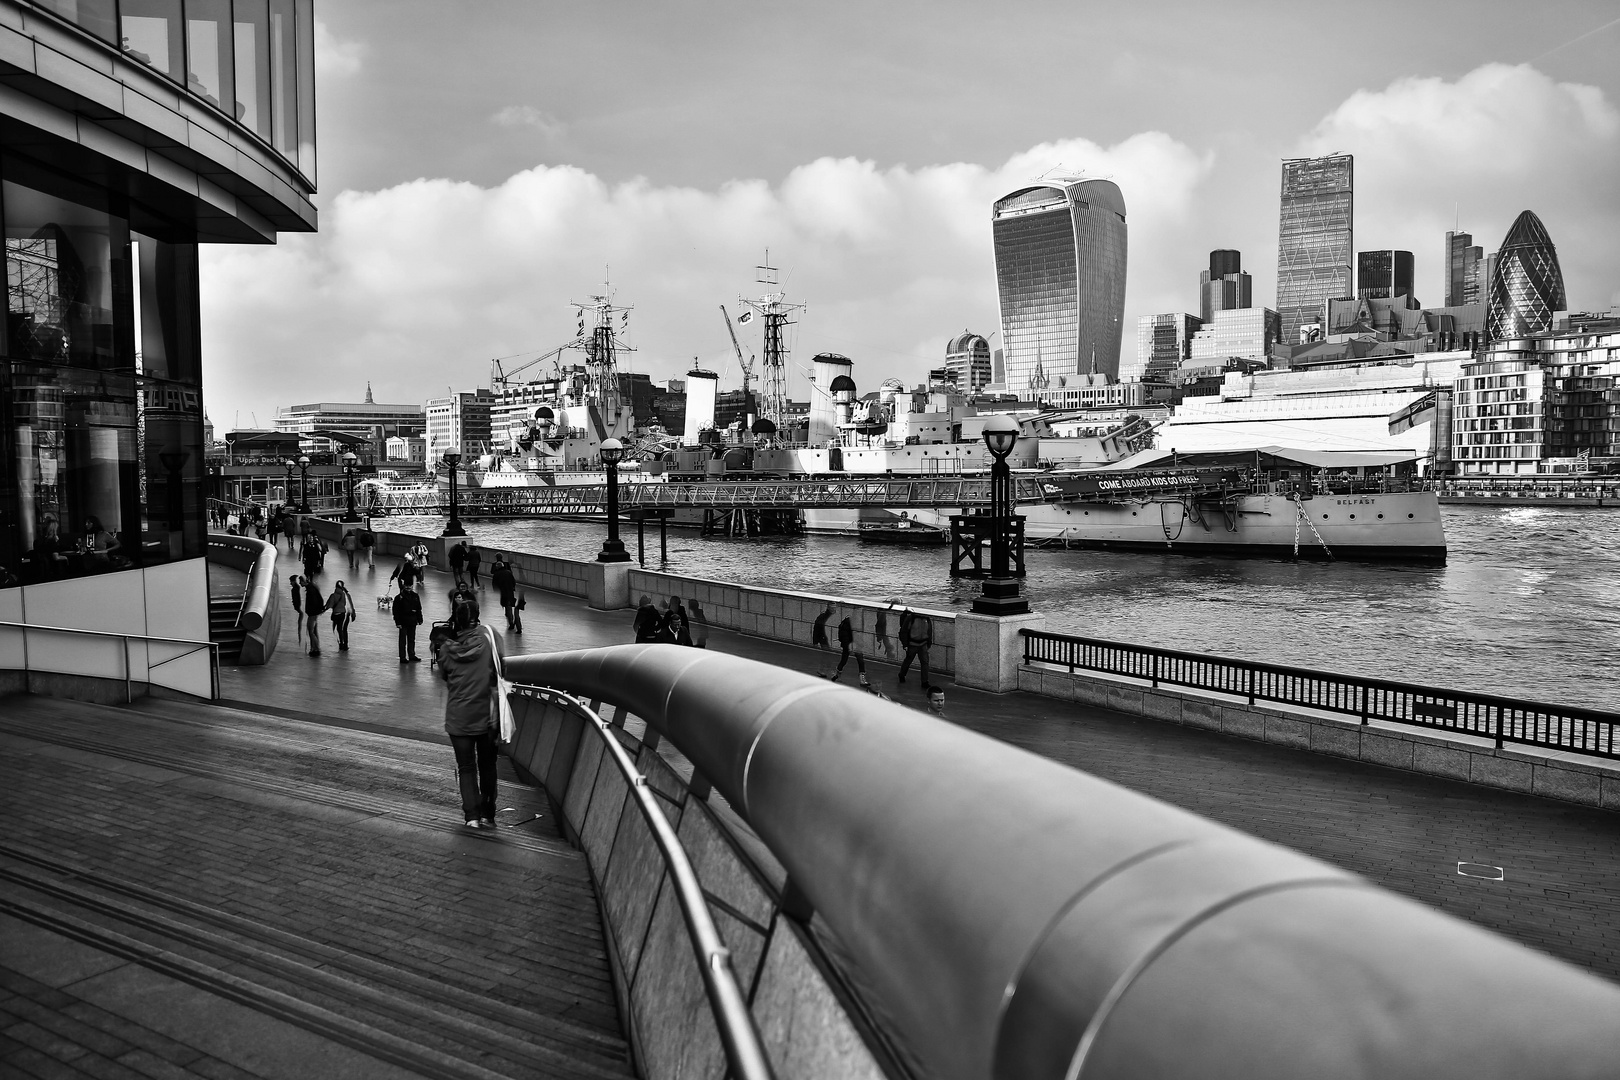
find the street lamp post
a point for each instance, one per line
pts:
(349, 461)
(286, 496)
(999, 593)
(303, 484)
(453, 526)
(612, 451)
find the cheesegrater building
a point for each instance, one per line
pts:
(131, 132)
(1315, 239)
(1060, 280)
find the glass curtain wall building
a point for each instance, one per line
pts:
(132, 131)
(1527, 286)
(1060, 279)
(1381, 275)
(1464, 263)
(1315, 240)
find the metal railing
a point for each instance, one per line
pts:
(738, 1033)
(128, 662)
(1502, 719)
(1006, 916)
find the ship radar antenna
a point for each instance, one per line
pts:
(774, 311)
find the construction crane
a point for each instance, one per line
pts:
(746, 365)
(499, 377)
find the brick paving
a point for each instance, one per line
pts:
(1405, 831)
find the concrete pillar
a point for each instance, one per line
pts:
(989, 649)
(607, 585)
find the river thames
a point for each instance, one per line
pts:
(1528, 604)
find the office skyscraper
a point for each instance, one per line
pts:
(1464, 265)
(1315, 241)
(1060, 281)
(1383, 274)
(1224, 286)
(1527, 285)
(967, 361)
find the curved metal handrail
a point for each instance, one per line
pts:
(738, 1034)
(1015, 917)
(257, 559)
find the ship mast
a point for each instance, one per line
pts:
(602, 348)
(774, 310)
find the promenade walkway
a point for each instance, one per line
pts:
(1560, 894)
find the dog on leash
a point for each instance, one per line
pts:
(385, 602)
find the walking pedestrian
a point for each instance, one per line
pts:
(310, 555)
(368, 544)
(818, 638)
(474, 561)
(406, 574)
(881, 633)
(700, 626)
(314, 605)
(351, 547)
(846, 645)
(676, 625)
(341, 605)
(503, 579)
(648, 621)
(916, 636)
(468, 664)
(276, 521)
(458, 560)
(407, 617)
(298, 605)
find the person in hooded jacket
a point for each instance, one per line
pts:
(467, 664)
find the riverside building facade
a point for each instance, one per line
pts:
(131, 132)
(1315, 240)
(1060, 252)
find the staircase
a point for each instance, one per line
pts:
(222, 628)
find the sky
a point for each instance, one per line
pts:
(483, 165)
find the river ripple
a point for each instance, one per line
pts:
(1527, 606)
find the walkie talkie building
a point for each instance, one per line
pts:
(1060, 279)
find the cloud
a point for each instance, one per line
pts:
(415, 286)
(516, 116)
(1500, 139)
(335, 58)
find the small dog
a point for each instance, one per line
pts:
(385, 602)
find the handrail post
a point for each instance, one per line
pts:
(129, 684)
(1363, 689)
(1155, 669)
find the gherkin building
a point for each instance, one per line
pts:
(1526, 286)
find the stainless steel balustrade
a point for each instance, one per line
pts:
(1013, 917)
(128, 672)
(735, 1023)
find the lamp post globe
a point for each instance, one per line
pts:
(350, 460)
(303, 484)
(452, 459)
(999, 594)
(612, 452)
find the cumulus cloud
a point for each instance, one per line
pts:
(416, 286)
(520, 116)
(1500, 139)
(334, 57)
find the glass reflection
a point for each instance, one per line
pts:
(253, 65)
(284, 78)
(149, 31)
(96, 16)
(208, 49)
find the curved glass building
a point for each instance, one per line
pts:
(1527, 286)
(1060, 279)
(131, 132)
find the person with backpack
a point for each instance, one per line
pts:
(407, 617)
(916, 637)
(314, 607)
(341, 605)
(846, 645)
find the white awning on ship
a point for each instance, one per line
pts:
(1316, 459)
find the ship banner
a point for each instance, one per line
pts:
(1138, 483)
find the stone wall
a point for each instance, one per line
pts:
(790, 616)
(1576, 778)
(781, 966)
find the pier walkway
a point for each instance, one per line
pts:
(282, 887)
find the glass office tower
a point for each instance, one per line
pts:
(1383, 274)
(1315, 241)
(1527, 286)
(1060, 280)
(132, 131)
(1464, 263)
